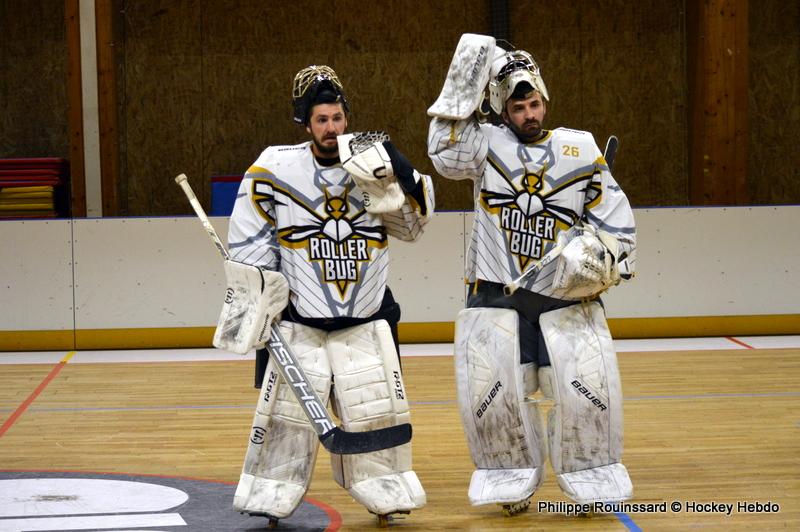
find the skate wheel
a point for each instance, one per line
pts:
(516, 508)
(272, 523)
(383, 521)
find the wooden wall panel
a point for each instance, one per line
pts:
(33, 72)
(717, 52)
(162, 101)
(610, 66)
(223, 71)
(774, 102)
(203, 86)
(617, 67)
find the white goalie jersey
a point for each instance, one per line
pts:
(526, 194)
(308, 221)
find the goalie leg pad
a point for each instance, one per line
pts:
(585, 423)
(369, 394)
(253, 298)
(501, 421)
(283, 446)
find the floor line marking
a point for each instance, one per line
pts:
(415, 403)
(735, 341)
(627, 521)
(32, 397)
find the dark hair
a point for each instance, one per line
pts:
(521, 90)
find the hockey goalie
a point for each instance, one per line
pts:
(309, 248)
(536, 191)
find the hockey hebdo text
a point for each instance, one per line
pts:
(676, 506)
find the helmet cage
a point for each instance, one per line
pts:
(513, 68)
(307, 85)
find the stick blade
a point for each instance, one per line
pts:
(610, 154)
(337, 441)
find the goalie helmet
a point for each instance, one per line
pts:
(508, 71)
(312, 85)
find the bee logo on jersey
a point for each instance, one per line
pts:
(338, 240)
(529, 216)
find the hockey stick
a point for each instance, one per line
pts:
(551, 255)
(332, 437)
(609, 155)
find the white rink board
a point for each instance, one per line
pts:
(147, 272)
(426, 276)
(36, 275)
(715, 261)
(165, 272)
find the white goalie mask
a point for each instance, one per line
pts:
(508, 70)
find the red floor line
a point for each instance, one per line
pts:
(735, 341)
(32, 397)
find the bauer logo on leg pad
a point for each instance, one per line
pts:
(489, 398)
(583, 390)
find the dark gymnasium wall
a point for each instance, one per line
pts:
(204, 86)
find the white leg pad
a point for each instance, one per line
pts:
(609, 483)
(369, 393)
(502, 425)
(397, 492)
(585, 424)
(283, 446)
(503, 485)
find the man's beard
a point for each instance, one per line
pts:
(523, 135)
(332, 151)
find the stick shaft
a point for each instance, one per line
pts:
(198, 209)
(295, 377)
(551, 255)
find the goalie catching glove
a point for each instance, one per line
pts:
(588, 264)
(383, 174)
(253, 298)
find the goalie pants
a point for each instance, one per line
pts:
(389, 311)
(529, 306)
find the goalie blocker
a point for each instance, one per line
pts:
(467, 77)
(253, 298)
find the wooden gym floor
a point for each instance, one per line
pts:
(708, 423)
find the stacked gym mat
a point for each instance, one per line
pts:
(34, 188)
